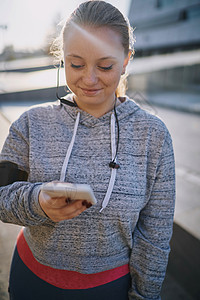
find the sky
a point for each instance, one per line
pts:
(29, 22)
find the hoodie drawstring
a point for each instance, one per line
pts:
(113, 152)
(69, 150)
(113, 170)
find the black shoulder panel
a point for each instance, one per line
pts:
(9, 173)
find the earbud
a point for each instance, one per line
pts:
(114, 165)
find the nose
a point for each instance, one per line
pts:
(90, 77)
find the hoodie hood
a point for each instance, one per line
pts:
(126, 108)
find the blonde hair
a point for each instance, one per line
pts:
(98, 14)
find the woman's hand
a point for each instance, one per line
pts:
(59, 209)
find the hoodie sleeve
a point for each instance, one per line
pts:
(19, 204)
(19, 201)
(149, 256)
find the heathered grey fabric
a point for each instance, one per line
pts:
(134, 228)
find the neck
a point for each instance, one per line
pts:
(97, 110)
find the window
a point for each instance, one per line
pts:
(193, 12)
(166, 3)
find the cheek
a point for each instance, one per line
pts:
(113, 79)
(113, 76)
(70, 76)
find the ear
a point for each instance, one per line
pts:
(126, 61)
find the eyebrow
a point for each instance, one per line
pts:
(102, 58)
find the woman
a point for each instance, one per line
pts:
(117, 249)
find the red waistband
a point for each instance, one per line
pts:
(66, 279)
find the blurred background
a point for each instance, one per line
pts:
(164, 78)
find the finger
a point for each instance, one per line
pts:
(51, 206)
(71, 211)
(86, 203)
(58, 209)
(75, 213)
(73, 206)
(55, 202)
(60, 202)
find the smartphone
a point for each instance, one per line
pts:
(69, 190)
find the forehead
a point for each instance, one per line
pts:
(100, 41)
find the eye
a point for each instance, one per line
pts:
(106, 68)
(76, 66)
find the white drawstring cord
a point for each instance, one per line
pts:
(69, 150)
(113, 170)
(113, 152)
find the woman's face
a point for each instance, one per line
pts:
(94, 61)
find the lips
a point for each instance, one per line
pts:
(90, 92)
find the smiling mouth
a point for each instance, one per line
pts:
(90, 91)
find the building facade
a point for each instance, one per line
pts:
(165, 25)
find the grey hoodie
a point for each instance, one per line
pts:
(136, 225)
